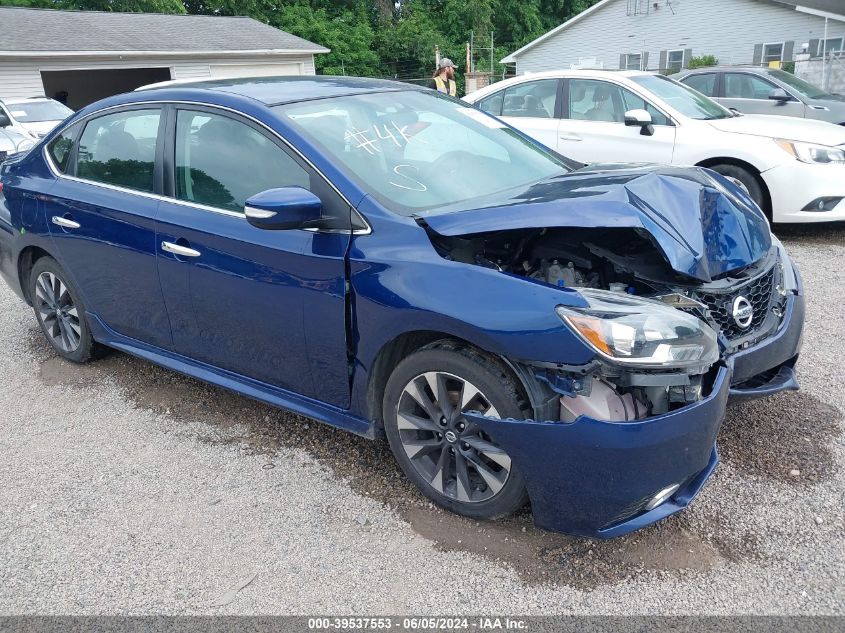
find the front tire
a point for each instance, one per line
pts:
(60, 311)
(450, 459)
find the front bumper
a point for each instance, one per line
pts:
(594, 478)
(793, 185)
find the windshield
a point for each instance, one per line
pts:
(417, 152)
(684, 99)
(38, 111)
(800, 86)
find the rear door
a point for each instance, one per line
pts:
(532, 107)
(101, 212)
(749, 93)
(268, 305)
(593, 129)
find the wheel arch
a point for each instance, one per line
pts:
(405, 344)
(738, 162)
(26, 260)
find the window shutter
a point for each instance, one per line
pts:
(645, 60)
(622, 60)
(662, 60)
(815, 50)
(758, 55)
(788, 47)
(687, 57)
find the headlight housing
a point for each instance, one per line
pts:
(812, 153)
(640, 332)
(25, 145)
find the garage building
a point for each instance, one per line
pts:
(82, 56)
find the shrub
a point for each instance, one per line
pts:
(703, 61)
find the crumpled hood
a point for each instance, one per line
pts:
(791, 128)
(703, 225)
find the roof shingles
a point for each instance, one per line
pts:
(44, 30)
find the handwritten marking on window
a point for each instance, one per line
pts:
(411, 184)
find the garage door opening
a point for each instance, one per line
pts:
(78, 88)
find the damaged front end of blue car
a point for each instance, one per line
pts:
(688, 301)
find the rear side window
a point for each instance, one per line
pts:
(704, 83)
(61, 146)
(493, 103)
(221, 162)
(119, 149)
(532, 99)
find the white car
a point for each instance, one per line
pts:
(793, 168)
(35, 117)
(12, 142)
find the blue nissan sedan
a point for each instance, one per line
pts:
(382, 258)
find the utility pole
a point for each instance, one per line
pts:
(437, 56)
(469, 59)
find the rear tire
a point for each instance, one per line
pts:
(451, 460)
(749, 181)
(60, 312)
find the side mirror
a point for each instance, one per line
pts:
(284, 209)
(780, 95)
(641, 118)
(4, 120)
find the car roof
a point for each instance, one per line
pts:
(279, 90)
(757, 70)
(25, 100)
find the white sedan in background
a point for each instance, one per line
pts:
(793, 168)
(34, 117)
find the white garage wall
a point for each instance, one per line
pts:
(21, 77)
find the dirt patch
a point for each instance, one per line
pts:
(823, 233)
(777, 436)
(541, 557)
(369, 469)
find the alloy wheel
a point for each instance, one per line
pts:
(58, 312)
(453, 454)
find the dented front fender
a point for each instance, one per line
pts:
(594, 478)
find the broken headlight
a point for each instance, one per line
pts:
(640, 332)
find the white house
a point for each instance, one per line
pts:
(83, 56)
(665, 34)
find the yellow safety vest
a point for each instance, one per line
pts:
(441, 86)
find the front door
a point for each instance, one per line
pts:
(593, 129)
(749, 94)
(268, 305)
(101, 212)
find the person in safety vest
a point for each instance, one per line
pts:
(444, 78)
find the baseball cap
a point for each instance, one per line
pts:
(445, 62)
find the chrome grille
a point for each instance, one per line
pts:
(759, 294)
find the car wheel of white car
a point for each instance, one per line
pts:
(448, 457)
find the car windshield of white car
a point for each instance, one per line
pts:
(420, 153)
(38, 111)
(684, 99)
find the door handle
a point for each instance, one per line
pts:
(65, 223)
(570, 136)
(176, 249)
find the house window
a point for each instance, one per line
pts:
(633, 61)
(772, 53)
(675, 60)
(833, 46)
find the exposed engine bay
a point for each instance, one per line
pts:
(627, 261)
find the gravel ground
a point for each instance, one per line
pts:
(128, 489)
